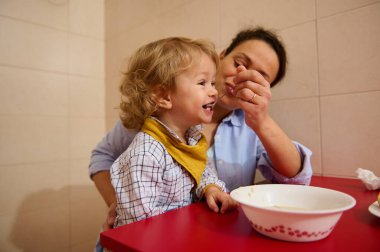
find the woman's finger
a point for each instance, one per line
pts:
(250, 75)
(247, 95)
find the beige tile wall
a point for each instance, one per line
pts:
(329, 100)
(52, 100)
(53, 94)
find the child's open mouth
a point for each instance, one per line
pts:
(209, 106)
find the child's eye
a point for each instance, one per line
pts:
(202, 82)
(213, 83)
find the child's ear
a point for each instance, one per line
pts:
(164, 102)
(162, 99)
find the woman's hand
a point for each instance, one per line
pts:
(219, 201)
(111, 216)
(254, 94)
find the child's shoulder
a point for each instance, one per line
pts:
(144, 143)
(143, 148)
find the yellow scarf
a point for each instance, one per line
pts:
(192, 158)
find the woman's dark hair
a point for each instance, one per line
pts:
(268, 37)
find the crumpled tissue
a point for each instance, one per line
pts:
(370, 181)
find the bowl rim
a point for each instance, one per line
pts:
(301, 212)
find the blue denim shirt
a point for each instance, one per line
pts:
(236, 153)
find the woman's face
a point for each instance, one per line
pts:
(253, 55)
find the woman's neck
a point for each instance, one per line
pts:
(219, 114)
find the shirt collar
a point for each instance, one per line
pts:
(193, 134)
(235, 118)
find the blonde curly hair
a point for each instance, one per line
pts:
(153, 67)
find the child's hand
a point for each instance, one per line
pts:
(216, 199)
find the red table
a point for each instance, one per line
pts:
(196, 228)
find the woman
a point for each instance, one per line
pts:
(242, 136)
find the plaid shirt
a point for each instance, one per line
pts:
(148, 181)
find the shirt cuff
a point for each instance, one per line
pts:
(207, 187)
(304, 175)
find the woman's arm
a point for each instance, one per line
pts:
(255, 95)
(102, 182)
(113, 144)
(102, 157)
(281, 150)
(264, 164)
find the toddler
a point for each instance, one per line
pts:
(167, 93)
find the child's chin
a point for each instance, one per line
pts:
(206, 120)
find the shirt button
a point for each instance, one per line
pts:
(220, 161)
(217, 137)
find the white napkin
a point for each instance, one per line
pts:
(368, 178)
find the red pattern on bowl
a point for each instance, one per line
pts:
(281, 229)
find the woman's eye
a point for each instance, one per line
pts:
(237, 64)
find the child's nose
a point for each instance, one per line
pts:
(213, 91)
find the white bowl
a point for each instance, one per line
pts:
(292, 212)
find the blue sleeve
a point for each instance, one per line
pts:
(303, 177)
(113, 144)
